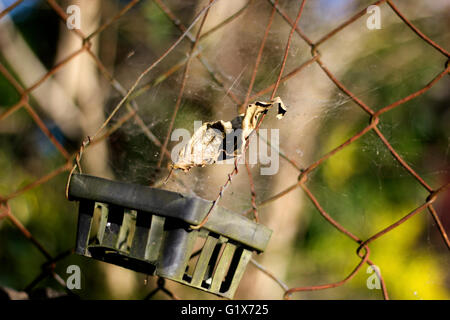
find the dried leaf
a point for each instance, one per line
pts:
(221, 140)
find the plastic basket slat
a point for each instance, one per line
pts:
(202, 263)
(155, 238)
(85, 212)
(222, 267)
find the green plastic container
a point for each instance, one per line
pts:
(148, 230)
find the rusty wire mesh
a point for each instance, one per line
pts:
(127, 101)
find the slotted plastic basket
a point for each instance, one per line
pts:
(148, 230)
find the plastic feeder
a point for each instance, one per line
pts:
(148, 230)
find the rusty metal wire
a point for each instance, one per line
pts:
(129, 96)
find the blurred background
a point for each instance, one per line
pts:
(362, 187)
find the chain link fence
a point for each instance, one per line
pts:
(128, 102)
